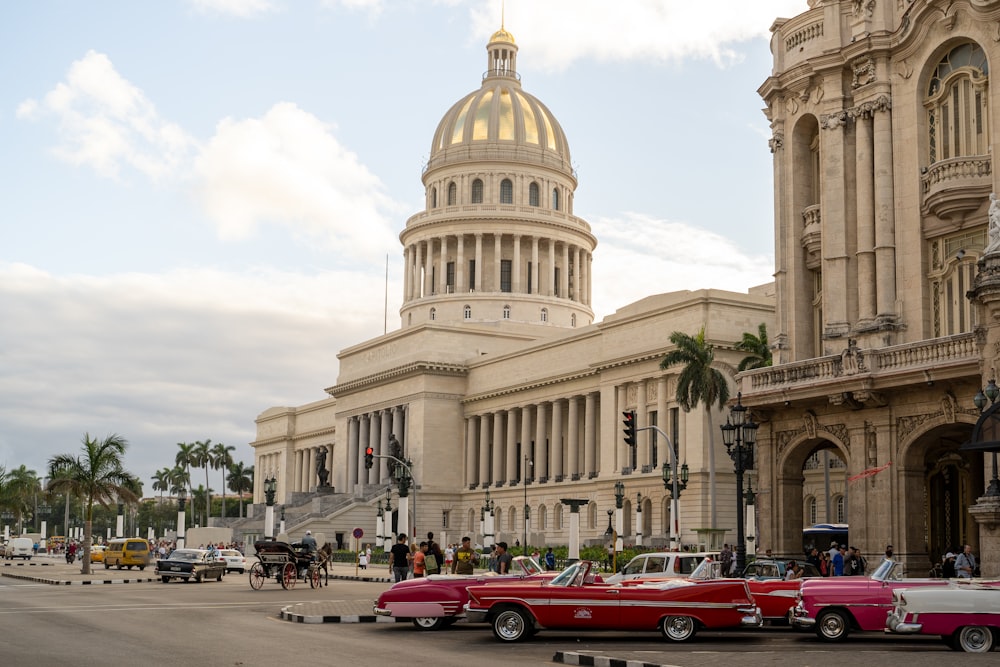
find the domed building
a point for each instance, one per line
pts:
(499, 393)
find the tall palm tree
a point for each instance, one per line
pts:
(185, 459)
(240, 480)
(203, 459)
(698, 384)
(757, 348)
(222, 459)
(200, 494)
(22, 489)
(97, 476)
(161, 481)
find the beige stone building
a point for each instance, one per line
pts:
(883, 136)
(499, 381)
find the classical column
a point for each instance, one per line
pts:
(541, 443)
(865, 185)
(622, 458)
(383, 446)
(576, 274)
(564, 274)
(556, 443)
(511, 474)
(498, 459)
(374, 427)
(589, 262)
(534, 265)
(525, 439)
(460, 284)
(429, 269)
(834, 226)
(885, 222)
(484, 449)
(298, 470)
(497, 257)
(408, 273)
(471, 451)
(551, 291)
(590, 434)
(418, 276)
(642, 438)
(307, 464)
(362, 444)
(661, 418)
(443, 267)
(479, 262)
(353, 449)
(573, 437)
(516, 269)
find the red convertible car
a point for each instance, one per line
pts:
(437, 601)
(678, 608)
(774, 597)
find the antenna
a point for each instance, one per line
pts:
(385, 310)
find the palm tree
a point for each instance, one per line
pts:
(185, 459)
(222, 459)
(203, 459)
(201, 494)
(161, 481)
(95, 477)
(22, 489)
(240, 480)
(757, 348)
(698, 383)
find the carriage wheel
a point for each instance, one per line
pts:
(313, 575)
(257, 576)
(289, 574)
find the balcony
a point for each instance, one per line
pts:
(956, 186)
(812, 237)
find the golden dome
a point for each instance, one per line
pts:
(502, 35)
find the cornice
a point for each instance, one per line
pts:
(332, 430)
(527, 386)
(394, 374)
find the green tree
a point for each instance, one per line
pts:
(203, 459)
(222, 459)
(240, 480)
(161, 481)
(179, 480)
(22, 488)
(97, 476)
(698, 384)
(185, 459)
(757, 349)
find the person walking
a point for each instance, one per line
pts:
(435, 550)
(726, 559)
(504, 559)
(550, 560)
(465, 558)
(839, 561)
(965, 564)
(399, 558)
(419, 561)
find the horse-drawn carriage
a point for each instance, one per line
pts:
(286, 563)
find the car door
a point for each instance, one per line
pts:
(578, 605)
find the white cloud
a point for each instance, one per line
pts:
(238, 8)
(562, 32)
(105, 122)
(288, 168)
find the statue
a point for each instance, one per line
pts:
(994, 228)
(321, 470)
(395, 449)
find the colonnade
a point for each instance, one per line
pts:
(559, 438)
(372, 429)
(440, 265)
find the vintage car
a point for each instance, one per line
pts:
(965, 615)
(677, 607)
(660, 565)
(836, 606)
(437, 601)
(191, 565)
(773, 568)
(774, 597)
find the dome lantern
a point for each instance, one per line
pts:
(501, 56)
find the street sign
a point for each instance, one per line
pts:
(358, 533)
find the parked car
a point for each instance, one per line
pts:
(773, 568)
(660, 565)
(437, 601)
(966, 616)
(19, 547)
(233, 560)
(774, 597)
(836, 606)
(677, 607)
(97, 553)
(190, 565)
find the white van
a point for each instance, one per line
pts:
(20, 547)
(660, 565)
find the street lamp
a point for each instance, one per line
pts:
(613, 534)
(527, 463)
(991, 392)
(739, 434)
(270, 488)
(180, 518)
(668, 479)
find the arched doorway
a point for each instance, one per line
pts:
(811, 488)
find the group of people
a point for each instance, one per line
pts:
(426, 558)
(840, 560)
(959, 566)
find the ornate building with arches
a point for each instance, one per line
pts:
(881, 112)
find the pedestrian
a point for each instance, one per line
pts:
(948, 570)
(853, 566)
(550, 560)
(434, 564)
(888, 553)
(965, 564)
(363, 560)
(833, 550)
(504, 559)
(449, 556)
(420, 561)
(465, 558)
(824, 564)
(726, 559)
(793, 570)
(839, 561)
(813, 557)
(399, 558)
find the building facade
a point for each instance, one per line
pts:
(881, 112)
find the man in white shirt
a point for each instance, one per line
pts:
(965, 564)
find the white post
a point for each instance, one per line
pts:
(574, 535)
(619, 526)
(403, 523)
(44, 529)
(379, 527)
(120, 526)
(269, 521)
(180, 529)
(638, 524)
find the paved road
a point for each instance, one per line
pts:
(227, 623)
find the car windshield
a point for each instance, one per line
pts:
(888, 570)
(186, 555)
(707, 569)
(573, 575)
(527, 565)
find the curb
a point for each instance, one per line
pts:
(288, 615)
(598, 660)
(88, 582)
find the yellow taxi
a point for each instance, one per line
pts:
(97, 553)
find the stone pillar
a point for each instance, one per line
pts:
(642, 438)
(374, 427)
(384, 465)
(484, 449)
(525, 440)
(534, 265)
(479, 262)
(622, 457)
(574, 525)
(986, 512)
(516, 268)
(418, 276)
(407, 267)
(865, 179)
(429, 269)
(552, 269)
(353, 450)
(399, 427)
(498, 458)
(661, 418)
(541, 446)
(834, 228)
(471, 450)
(590, 435)
(460, 284)
(511, 474)
(556, 442)
(363, 433)
(443, 278)
(885, 222)
(564, 274)
(573, 438)
(576, 275)
(497, 257)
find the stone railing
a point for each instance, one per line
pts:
(956, 169)
(803, 35)
(493, 211)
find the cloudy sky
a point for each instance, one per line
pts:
(198, 197)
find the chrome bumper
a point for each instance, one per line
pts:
(894, 623)
(475, 615)
(800, 618)
(379, 611)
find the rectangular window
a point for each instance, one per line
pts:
(530, 282)
(555, 288)
(505, 274)
(472, 275)
(450, 276)
(654, 436)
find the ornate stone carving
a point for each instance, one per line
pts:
(840, 432)
(948, 405)
(864, 71)
(864, 7)
(852, 359)
(904, 69)
(791, 105)
(776, 142)
(834, 120)
(809, 423)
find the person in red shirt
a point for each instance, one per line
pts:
(419, 566)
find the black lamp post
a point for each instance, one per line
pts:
(668, 479)
(991, 392)
(613, 534)
(270, 488)
(527, 463)
(739, 434)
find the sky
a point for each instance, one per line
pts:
(199, 199)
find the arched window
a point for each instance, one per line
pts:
(545, 314)
(506, 191)
(841, 514)
(956, 103)
(468, 312)
(811, 511)
(434, 197)
(477, 191)
(543, 517)
(433, 314)
(533, 194)
(558, 522)
(513, 521)
(555, 199)
(506, 312)
(452, 194)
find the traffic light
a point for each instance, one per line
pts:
(628, 421)
(369, 458)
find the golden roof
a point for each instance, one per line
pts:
(502, 35)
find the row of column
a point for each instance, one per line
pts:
(559, 439)
(265, 467)
(423, 257)
(635, 396)
(306, 473)
(372, 429)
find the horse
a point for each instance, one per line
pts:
(325, 556)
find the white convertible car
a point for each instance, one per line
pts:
(965, 614)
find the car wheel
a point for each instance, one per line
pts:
(428, 623)
(142, 567)
(678, 628)
(165, 579)
(833, 626)
(974, 639)
(107, 565)
(512, 625)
